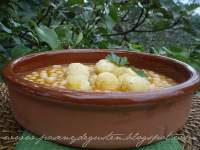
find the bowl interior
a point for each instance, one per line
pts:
(171, 68)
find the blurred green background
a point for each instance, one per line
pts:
(164, 27)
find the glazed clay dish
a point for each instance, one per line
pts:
(100, 119)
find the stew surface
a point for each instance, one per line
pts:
(102, 76)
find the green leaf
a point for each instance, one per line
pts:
(110, 23)
(174, 48)
(113, 13)
(198, 94)
(3, 59)
(19, 51)
(120, 61)
(154, 50)
(103, 44)
(123, 61)
(155, 3)
(2, 49)
(162, 24)
(70, 14)
(139, 72)
(74, 2)
(4, 28)
(79, 38)
(136, 47)
(189, 30)
(166, 13)
(99, 2)
(65, 35)
(195, 63)
(64, 32)
(187, 26)
(3, 53)
(48, 35)
(61, 32)
(192, 6)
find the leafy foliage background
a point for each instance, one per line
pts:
(164, 27)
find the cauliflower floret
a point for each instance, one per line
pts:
(134, 83)
(123, 70)
(123, 76)
(104, 65)
(78, 82)
(77, 69)
(107, 81)
(92, 80)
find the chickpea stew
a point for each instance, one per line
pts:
(105, 75)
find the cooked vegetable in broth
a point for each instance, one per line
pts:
(105, 75)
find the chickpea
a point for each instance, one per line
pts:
(92, 80)
(50, 80)
(55, 84)
(53, 74)
(57, 66)
(104, 76)
(43, 74)
(63, 82)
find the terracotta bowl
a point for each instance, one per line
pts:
(100, 120)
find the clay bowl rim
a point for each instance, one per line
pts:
(101, 98)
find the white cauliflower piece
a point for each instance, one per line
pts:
(78, 82)
(107, 81)
(123, 76)
(77, 69)
(134, 83)
(92, 80)
(104, 65)
(123, 70)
